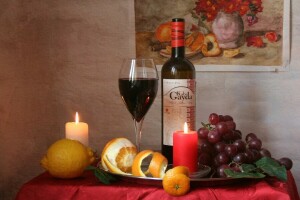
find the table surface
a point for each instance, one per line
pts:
(88, 187)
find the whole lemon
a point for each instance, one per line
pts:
(67, 159)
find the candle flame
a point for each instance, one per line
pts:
(76, 118)
(185, 128)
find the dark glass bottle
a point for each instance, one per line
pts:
(178, 90)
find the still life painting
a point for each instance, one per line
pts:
(220, 35)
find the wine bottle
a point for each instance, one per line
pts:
(178, 90)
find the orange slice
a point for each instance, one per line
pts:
(118, 155)
(158, 165)
(198, 42)
(137, 163)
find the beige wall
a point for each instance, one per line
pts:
(58, 57)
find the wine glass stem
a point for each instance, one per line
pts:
(138, 132)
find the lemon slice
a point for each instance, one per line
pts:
(229, 53)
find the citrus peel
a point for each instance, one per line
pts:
(117, 155)
(137, 163)
(158, 165)
(156, 168)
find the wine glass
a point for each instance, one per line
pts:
(138, 83)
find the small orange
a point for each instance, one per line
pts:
(176, 184)
(178, 170)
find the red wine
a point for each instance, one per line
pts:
(178, 91)
(138, 95)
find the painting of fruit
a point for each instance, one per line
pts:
(246, 33)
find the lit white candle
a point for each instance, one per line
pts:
(78, 131)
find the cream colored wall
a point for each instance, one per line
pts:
(58, 57)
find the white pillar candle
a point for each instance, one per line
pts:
(78, 131)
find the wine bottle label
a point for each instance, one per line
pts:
(178, 106)
(177, 34)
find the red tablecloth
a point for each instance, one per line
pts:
(45, 187)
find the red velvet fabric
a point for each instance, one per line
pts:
(87, 187)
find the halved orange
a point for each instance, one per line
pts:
(158, 165)
(137, 163)
(210, 46)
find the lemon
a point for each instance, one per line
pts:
(67, 158)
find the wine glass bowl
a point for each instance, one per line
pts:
(138, 84)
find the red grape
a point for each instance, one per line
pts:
(206, 147)
(220, 147)
(221, 158)
(265, 153)
(286, 162)
(222, 128)
(240, 144)
(214, 136)
(231, 150)
(220, 170)
(227, 118)
(237, 134)
(256, 154)
(221, 118)
(213, 118)
(231, 125)
(255, 143)
(239, 158)
(249, 156)
(229, 136)
(203, 132)
(250, 136)
(235, 167)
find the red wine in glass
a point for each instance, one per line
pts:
(138, 95)
(138, 84)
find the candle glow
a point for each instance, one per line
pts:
(77, 131)
(185, 127)
(76, 118)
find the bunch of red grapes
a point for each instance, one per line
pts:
(221, 146)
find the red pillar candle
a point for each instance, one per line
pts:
(185, 149)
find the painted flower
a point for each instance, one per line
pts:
(272, 36)
(208, 9)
